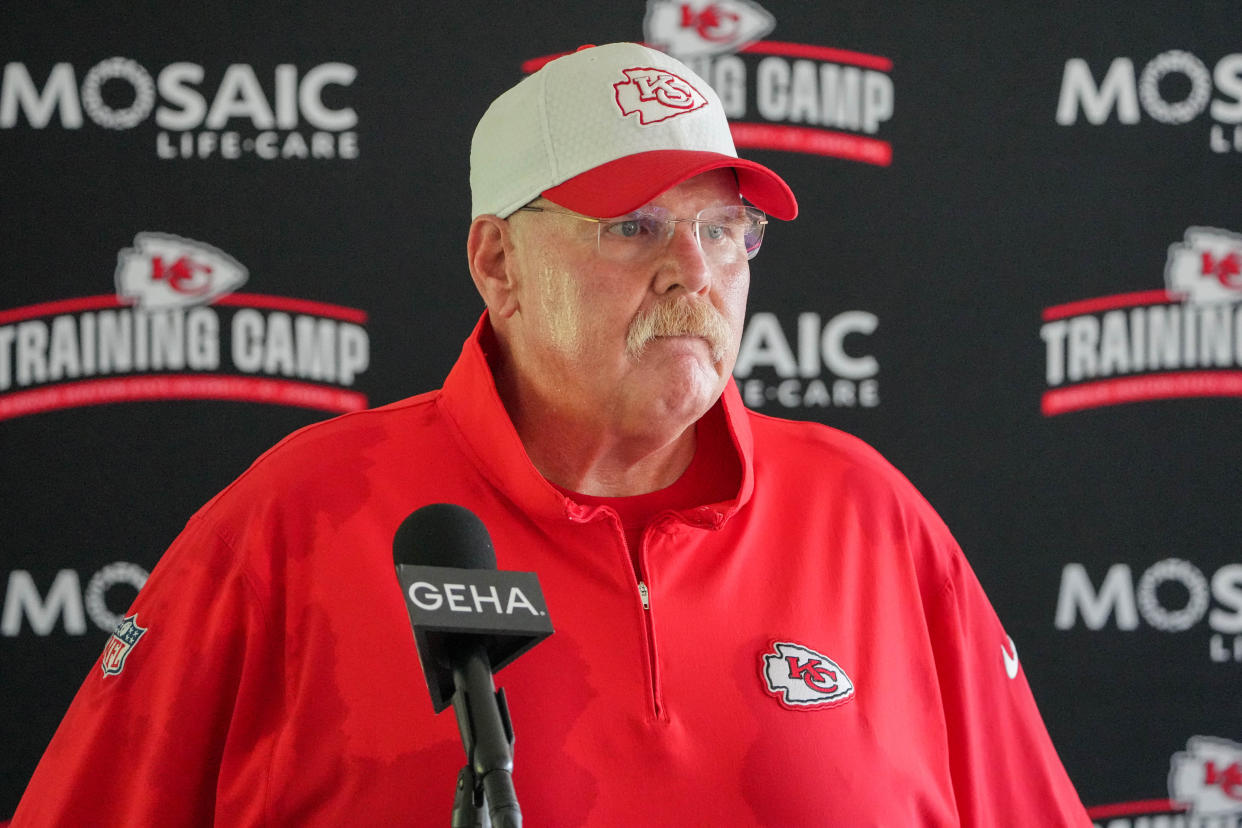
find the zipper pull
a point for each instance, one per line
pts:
(642, 593)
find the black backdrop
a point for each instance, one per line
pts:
(994, 237)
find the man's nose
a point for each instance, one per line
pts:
(684, 264)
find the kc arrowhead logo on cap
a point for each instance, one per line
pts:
(597, 132)
(656, 95)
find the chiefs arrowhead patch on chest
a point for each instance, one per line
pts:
(801, 679)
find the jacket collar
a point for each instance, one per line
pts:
(470, 401)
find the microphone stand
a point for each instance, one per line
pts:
(487, 736)
(467, 812)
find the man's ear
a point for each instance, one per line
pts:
(491, 256)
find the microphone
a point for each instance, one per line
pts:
(469, 620)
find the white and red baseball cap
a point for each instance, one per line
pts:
(604, 130)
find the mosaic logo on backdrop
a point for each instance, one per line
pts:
(789, 97)
(809, 362)
(1184, 340)
(34, 604)
(1174, 88)
(1175, 597)
(286, 112)
(1171, 596)
(176, 329)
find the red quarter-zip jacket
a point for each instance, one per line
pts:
(814, 650)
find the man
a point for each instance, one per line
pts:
(759, 622)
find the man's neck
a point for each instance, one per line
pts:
(583, 453)
(618, 468)
(614, 452)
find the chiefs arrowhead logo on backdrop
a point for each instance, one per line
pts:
(166, 271)
(801, 678)
(705, 28)
(656, 95)
(120, 645)
(1207, 777)
(1206, 267)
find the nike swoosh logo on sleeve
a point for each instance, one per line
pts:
(1010, 653)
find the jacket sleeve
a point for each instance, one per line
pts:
(165, 735)
(1004, 767)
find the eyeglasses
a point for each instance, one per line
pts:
(725, 234)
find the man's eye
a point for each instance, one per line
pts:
(626, 229)
(725, 232)
(633, 228)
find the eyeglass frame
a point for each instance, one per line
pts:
(751, 252)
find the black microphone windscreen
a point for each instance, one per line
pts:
(443, 534)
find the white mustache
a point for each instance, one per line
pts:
(678, 318)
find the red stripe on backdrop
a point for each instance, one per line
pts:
(812, 141)
(82, 303)
(284, 303)
(249, 300)
(824, 53)
(1100, 303)
(1142, 389)
(179, 387)
(1136, 808)
(770, 47)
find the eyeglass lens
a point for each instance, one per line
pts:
(725, 234)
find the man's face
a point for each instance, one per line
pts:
(640, 345)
